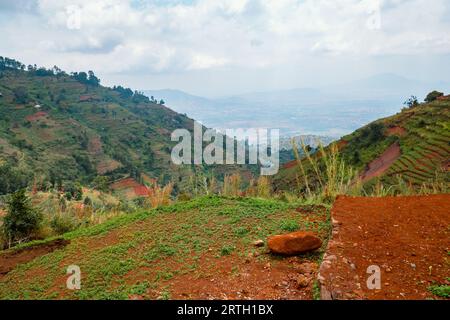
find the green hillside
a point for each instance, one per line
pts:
(411, 147)
(206, 242)
(57, 128)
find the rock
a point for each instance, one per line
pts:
(258, 243)
(294, 243)
(307, 268)
(302, 281)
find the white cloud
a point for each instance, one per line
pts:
(181, 36)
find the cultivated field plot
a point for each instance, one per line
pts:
(201, 249)
(408, 238)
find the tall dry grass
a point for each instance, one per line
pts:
(159, 196)
(324, 174)
(232, 185)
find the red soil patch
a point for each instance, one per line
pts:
(396, 131)
(380, 165)
(341, 144)
(141, 191)
(10, 259)
(134, 188)
(228, 278)
(36, 116)
(87, 97)
(95, 146)
(446, 165)
(407, 237)
(444, 98)
(290, 164)
(108, 166)
(124, 184)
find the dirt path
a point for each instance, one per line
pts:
(408, 238)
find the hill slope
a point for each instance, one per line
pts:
(413, 145)
(56, 127)
(199, 249)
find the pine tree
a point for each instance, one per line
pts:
(21, 220)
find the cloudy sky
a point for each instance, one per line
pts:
(221, 47)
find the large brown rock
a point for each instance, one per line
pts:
(294, 243)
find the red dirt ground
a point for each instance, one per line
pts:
(125, 183)
(95, 146)
(407, 237)
(9, 260)
(380, 165)
(134, 187)
(397, 131)
(36, 116)
(141, 191)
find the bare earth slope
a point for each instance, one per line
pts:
(407, 237)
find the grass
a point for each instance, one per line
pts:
(289, 225)
(142, 253)
(442, 291)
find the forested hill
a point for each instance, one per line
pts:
(57, 128)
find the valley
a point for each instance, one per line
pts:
(88, 180)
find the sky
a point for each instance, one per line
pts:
(223, 47)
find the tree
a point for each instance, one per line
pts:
(20, 95)
(22, 221)
(87, 202)
(161, 102)
(433, 96)
(80, 77)
(101, 183)
(93, 80)
(73, 191)
(411, 102)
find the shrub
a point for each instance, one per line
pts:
(411, 102)
(226, 250)
(433, 96)
(440, 291)
(22, 221)
(62, 223)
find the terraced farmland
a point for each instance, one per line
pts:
(421, 132)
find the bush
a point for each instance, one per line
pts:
(62, 223)
(22, 221)
(433, 96)
(411, 102)
(73, 191)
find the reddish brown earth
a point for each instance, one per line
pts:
(407, 237)
(290, 164)
(396, 131)
(108, 166)
(230, 278)
(125, 183)
(380, 165)
(141, 191)
(10, 259)
(132, 186)
(36, 116)
(95, 146)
